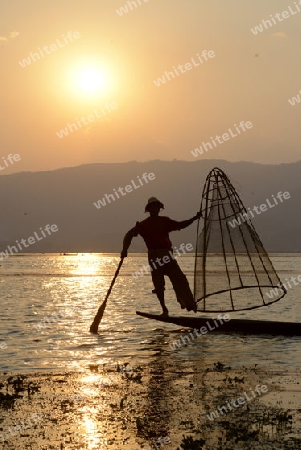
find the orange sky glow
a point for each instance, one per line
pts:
(64, 63)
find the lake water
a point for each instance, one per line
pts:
(68, 291)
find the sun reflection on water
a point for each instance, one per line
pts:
(87, 264)
(90, 423)
(94, 436)
(92, 381)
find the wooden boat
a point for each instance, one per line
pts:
(241, 326)
(245, 278)
(229, 245)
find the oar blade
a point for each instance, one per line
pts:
(98, 318)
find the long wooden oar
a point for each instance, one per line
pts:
(101, 310)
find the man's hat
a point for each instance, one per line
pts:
(153, 200)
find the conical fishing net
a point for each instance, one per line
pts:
(232, 269)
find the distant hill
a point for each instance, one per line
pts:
(65, 197)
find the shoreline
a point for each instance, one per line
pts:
(130, 408)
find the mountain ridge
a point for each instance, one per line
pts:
(66, 197)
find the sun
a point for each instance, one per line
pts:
(87, 80)
(91, 80)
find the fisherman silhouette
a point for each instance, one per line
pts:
(155, 232)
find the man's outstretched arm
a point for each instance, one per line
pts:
(128, 240)
(186, 223)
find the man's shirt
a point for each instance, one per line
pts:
(155, 231)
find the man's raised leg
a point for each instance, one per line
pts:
(181, 286)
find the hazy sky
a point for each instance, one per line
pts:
(115, 60)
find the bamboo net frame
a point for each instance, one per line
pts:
(233, 272)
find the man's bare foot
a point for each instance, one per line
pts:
(165, 312)
(194, 308)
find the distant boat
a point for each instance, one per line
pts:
(70, 254)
